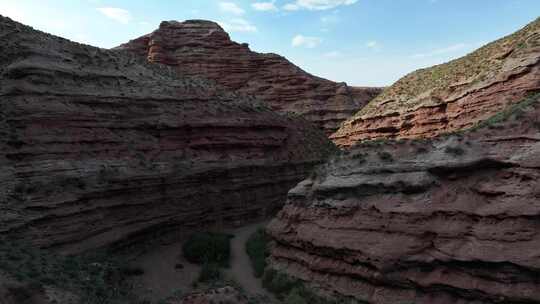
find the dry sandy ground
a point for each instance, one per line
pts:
(161, 279)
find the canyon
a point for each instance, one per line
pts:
(202, 48)
(433, 199)
(99, 147)
(434, 218)
(451, 96)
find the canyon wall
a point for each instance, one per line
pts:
(443, 221)
(99, 146)
(451, 96)
(203, 48)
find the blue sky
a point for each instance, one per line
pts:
(361, 42)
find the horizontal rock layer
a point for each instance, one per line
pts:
(451, 96)
(453, 220)
(98, 146)
(203, 48)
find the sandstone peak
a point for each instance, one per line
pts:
(202, 48)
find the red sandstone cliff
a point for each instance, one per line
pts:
(452, 220)
(98, 146)
(203, 48)
(451, 96)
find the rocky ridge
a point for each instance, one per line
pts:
(203, 48)
(449, 220)
(451, 96)
(100, 146)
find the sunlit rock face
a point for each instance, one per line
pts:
(203, 48)
(449, 220)
(452, 96)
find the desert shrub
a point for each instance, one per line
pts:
(207, 247)
(454, 150)
(279, 283)
(97, 278)
(210, 272)
(385, 156)
(295, 297)
(294, 291)
(257, 249)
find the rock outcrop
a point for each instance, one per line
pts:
(450, 220)
(99, 146)
(203, 48)
(451, 96)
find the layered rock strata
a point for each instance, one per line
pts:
(203, 48)
(99, 146)
(453, 220)
(451, 96)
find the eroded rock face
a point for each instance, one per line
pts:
(98, 146)
(203, 48)
(453, 220)
(451, 96)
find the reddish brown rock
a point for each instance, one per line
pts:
(451, 96)
(100, 146)
(452, 220)
(203, 48)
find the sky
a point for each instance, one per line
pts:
(361, 42)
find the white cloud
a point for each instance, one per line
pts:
(232, 8)
(116, 14)
(442, 51)
(317, 5)
(372, 44)
(264, 6)
(238, 25)
(333, 54)
(305, 41)
(291, 7)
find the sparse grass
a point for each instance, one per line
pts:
(208, 248)
(385, 156)
(293, 291)
(517, 110)
(472, 68)
(458, 151)
(210, 272)
(257, 249)
(97, 278)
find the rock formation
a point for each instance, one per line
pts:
(451, 96)
(98, 146)
(203, 48)
(450, 220)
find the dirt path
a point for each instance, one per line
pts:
(161, 279)
(241, 269)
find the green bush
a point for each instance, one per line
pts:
(279, 283)
(97, 278)
(208, 248)
(257, 249)
(295, 297)
(210, 272)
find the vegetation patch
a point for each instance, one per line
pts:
(208, 248)
(210, 272)
(293, 291)
(385, 156)
(458, 151)
(257, 249)
(96, 278)
(517, 110)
